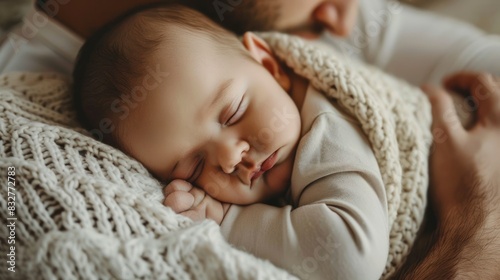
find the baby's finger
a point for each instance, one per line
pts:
(195, 214)
(215, 211)
(445, 123)
(179, 201)
(198, 195)
(177, 185)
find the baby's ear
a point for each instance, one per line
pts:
(257, 47)
(263, 54)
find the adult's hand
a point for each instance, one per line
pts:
(465, 184)
(466, 163)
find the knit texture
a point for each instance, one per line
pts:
(395, 117)
(86, 210)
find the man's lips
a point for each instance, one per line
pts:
(266, 165)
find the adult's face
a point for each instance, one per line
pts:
(302, 17)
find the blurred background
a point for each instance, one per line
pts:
(484, 14)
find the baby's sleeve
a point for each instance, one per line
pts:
(338, 227)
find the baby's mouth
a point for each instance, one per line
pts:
(266, 165)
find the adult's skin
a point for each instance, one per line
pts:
(465, 184)
(84, 17)
(465, 171)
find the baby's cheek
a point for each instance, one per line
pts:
(214, 184)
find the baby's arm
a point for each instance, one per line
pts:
(278, 234)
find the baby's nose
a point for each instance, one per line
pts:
(228, 169)
(230, 154)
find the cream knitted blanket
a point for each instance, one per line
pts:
(84, 210)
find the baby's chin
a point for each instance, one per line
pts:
(270, 185)
(258, 193)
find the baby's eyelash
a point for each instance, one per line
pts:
(230, 120)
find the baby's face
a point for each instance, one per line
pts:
(222, 122)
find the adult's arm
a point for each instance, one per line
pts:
(423, 47)
(417, 45)
(465, 173)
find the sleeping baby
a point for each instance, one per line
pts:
(239, 137)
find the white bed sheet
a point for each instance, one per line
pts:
(484, 14)
(39, 44)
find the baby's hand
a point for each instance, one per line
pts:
(193, 202)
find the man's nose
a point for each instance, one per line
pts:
(230, 153)
(327, 15)
(337, 16)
